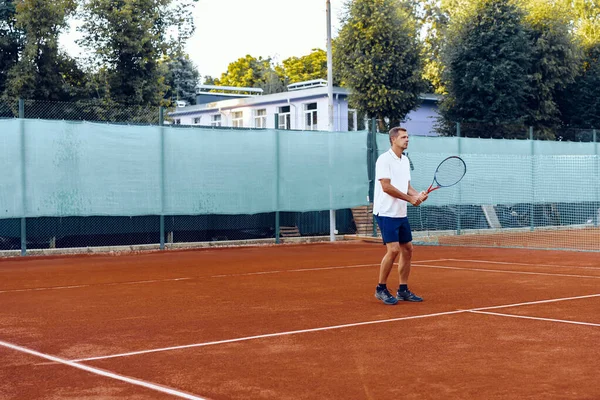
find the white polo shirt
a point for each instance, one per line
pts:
(397, 170)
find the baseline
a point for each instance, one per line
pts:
(503, 271)
(518, 263)
(193, 278)
(534, 318)
(326, 328)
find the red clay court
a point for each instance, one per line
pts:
(300, 322)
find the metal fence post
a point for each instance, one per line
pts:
(23, 178)
(531, 207)
(161, 121)
(458, 218)
(595, 138)
(373, 134)
(277, 168)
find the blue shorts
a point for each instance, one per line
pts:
(394, 229)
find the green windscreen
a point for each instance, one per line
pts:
(88, 169)
(516, 193)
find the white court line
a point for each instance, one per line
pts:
(100, 372)
(92, 285)
(295, 270)
(189, 278)
(503, 271)
(526, 264)
(535, 318)
(587, 296)
(314, 269)
(268, 335)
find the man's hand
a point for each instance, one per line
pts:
(417, 200)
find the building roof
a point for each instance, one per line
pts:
(314, 92)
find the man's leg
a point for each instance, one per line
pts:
(382, 293)
(406, 250)
(404, 294)
(392, 251)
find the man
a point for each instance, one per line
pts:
(392, 193)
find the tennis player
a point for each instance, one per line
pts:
(392, 193)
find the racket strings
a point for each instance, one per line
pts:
(450, 171)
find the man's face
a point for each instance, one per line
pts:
(401, 140)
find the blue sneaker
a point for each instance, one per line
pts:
(385, 296)
(407, 295)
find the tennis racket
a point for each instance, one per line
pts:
(448, 173)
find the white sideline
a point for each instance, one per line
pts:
(325, 328)
(535, 318)
(503, 271)
(100, 372)
(518, 263)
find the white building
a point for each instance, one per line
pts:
(302, 107)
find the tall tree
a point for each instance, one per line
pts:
(208, 80)
(43, 72)
(586, 20)
(182, 78)
(433, 22)
(252, 72)
(129, 38)
(486, 67)
(10, 40)
(305, 68)
(580, 101)
(377, 54)
(555, 59)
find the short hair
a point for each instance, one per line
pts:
(394, 132)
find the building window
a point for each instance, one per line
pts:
(215, 120)
(177, 121)
(310, 116)
(260, 118)
(197, 120)
(237, 119)
(352, 120)
(284, 118)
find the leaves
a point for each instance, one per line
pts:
(305, 68)
(127, 38)
(182, 79)
(252, 72)
(487, 64)
(377, 55)
(42, 70)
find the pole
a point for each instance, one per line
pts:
(23, 178)
(458, 219)
(531, 207)
(374, 155)
(332, 229)
(597, 165)
(277, 169)
(161, 118)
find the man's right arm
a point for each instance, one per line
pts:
(386, 185)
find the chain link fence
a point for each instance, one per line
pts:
(20, 234)
(23, 234)
(92, 111)
(515, 131)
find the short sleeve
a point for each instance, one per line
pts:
(382, 169)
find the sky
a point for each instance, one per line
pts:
(227, 30)
(230, 29)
